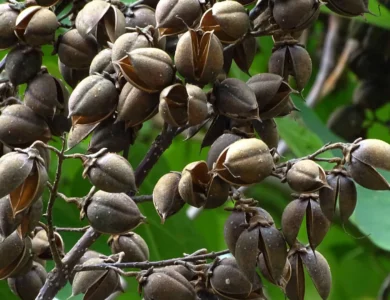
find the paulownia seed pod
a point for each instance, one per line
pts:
(132, 244)
(7, 25)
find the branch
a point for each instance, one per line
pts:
(66, 229)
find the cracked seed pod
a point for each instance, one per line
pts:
(292, 60)
(283, 280)
(199, 56)
(349, 8)
(22, 64)
(36, 25)
(132, 244)
(112, 213)
(193, 183)
(234, 226)
(174, 105)
(16, 256)
(89, 254)
(317, 268)
(98, 284)
(128, 42)
(24, 177)
(245, 162)
(110, 172)
(102, 63)
(272, 94)
(369, 155)
(217, 192)
(228, 281)
(317, 224)
(219, 145)
(167, 284)
(166, 197)
(306, 176)
(197, 105)
(136, 106)
(141, 16)
(295, 15)
(343, 190)
(93, 100)
(268, 132)
(41, 247)
(175, 16)
(101, 20)
(229, 20)
(45, 94)
(244, 53)
(27, 286)
(234, 99)
(76, 51)
(72, 76)
(7, 25)
(79, 132)
(149, 69)
(20, 126)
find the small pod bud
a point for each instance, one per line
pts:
(229, 20)
(7, 25)
(166, 197)
(141, 16)
(110, 172)
(41, 247)
(112, 213)
(36, 25)
(102, 63)
(132, 244)
(22, 64)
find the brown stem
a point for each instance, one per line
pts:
(143, 198)
(67, 229)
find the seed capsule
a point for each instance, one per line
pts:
(268, 132)
(72, 76)
(112, 213)
(173, 105)
(234, 226)
(348, 8)
(102, 63)
(128, 42)
(166, 197)
(80, 132)
(36, 25)
(7, 25)
(141, 16)
(217, 192)
(219, 145)
(132, 244)
(197, 105)
(41, 246)
(284, 279)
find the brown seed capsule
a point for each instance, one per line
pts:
(101, 20)
(102, 63)
(197, 105)
(7, 25)
(166, 197)
(244, 162)
(244, 53)
(306, 176)
(110, 172)
(317, 225)
(36, 25)
(365, 159)
(132, 244)
(112, 213)
(292, 60)
(149, 69)
(22, 64)
(72, 76)
(234, 226)
(141, 16)
(284, 279)
(128, 42)
(199, 56)
(78, 133)
(219, 145)
(28, 285)
(217, 192)
(173, 105)
(268, 132)
(76, 51)
(247, 251)
(229, 20)
(174, 16)
(348, 8)
(41, 246)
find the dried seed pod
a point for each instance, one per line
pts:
(363, 161)
(112, 213)
(79, 132)
(229, 20)
(343, 190)
(167, 284)
(244, 162)
(102, 63)
(27, 286)
(93, 100)
(101, 20)
(36, 25)
(227, 280)
(132, 244)
(234, 99)
(199, 56)
(174, 16)
(7, 25)
(306, 176)
(292, 60)
(244, 53)
(217, 192)
(95, 284)
(317, 224)
(72, 76)
(173, 105)
(76, 51)
(149, 69)
(348, 8)
(136, 106)
(166, 197)
(110, 172)
(284, 279)
(41, 247)
(128, 42)
(219, 145)
(141, 16)
(24, 177)
(197, 105)
(247, 251)
(22, 64)
(234, 226)
(271, 94)
(295, 15)
(268, 132)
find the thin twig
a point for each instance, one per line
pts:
(67, 229)
(143, 198)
